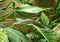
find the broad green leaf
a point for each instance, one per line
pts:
(15, 36)
(2, 26)
(1, 0)
(29, 11)
(3, 36)
(44, 19)
(47, 33)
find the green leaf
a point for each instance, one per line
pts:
(47, 33)
(2, 26)
(22, 1)
(58, 5)
(3, 36)
(15, 36)
(19, 19)
(42, 40)
(44, 19)
(1, 0)
(57, 9)
(29, 11)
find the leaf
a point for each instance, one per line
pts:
(28, 11)
(22, 1)
(44, 19)
(19, 19)
(2, 26)
(1, 0)
(47, 33)
(3, 36)
(42, 40)
(1, 9)
(57, 9)
(58, 5)
(15, 36)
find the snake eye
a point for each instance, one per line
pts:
(2, 0)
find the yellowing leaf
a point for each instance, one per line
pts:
(3, 36)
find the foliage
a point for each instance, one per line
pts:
(3, 36)
(32, 17)
(13, 35)
(45, 19)
(48, 34)
(1, 0)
